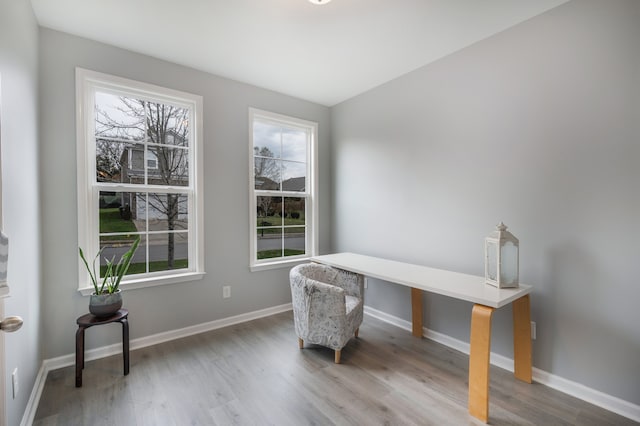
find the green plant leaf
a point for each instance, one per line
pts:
(91, 270)
(114, 271)
(123, 265)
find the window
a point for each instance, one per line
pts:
(283, 189)
(139, 176)
(152, 160)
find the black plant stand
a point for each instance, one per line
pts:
(89, 320)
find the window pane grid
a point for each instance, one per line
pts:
(115, 139)
(160, 145)
(105, 186)
(281, 226)
(138, 176)
(126, 215)
(152, 137)
(281, 190)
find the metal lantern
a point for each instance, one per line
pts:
(501, 258)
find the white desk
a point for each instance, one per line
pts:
(471, 288)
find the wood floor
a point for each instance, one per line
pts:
(254, 374)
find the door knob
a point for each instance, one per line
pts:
(10, 324)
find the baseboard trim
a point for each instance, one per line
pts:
(575, 389)
(34, 398)
(590, 395)
(142, 342)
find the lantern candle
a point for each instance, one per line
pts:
(501, 258)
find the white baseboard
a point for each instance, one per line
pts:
(34, 398)
(578, 390)
(142, 342)
(592, 396)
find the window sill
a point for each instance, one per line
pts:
(278, 264)
(151, 282)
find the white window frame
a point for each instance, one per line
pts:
(87, 84)
(310, 194)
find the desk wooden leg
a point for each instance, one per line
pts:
(479, 361)
(416, 312)
(522, 339)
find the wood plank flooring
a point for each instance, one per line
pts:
(254, 374)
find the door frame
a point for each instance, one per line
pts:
(4, 292)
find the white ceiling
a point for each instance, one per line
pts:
(325, 54)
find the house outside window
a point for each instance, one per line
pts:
(139, 176)
(283, 219)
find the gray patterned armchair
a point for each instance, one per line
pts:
(327, 305)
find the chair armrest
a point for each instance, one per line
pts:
(314, 295)
(352, 283)
(314, 288)
(327, 308)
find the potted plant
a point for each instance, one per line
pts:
(106, 298)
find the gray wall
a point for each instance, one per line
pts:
(538, 127)
(226, 199)
(20, 193)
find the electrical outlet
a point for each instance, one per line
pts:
(14, 382)
(226, 291)
(533, 330)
